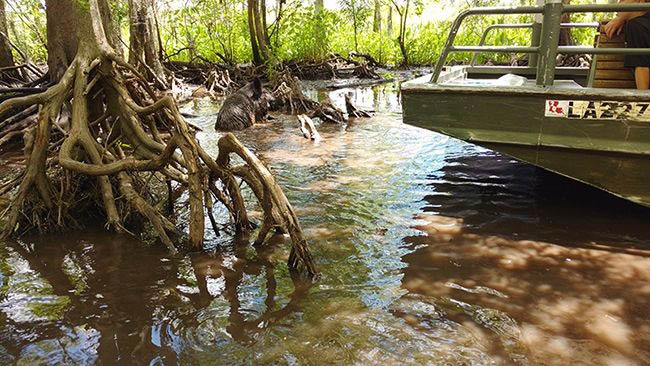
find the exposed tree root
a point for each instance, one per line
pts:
(19, 74)
(277, 209)
(352, 110)
(307, 128)
(335, 66)
(226, 78)
(291, 99)
(99, 125)
(217, 80)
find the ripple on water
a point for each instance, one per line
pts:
(433, 251)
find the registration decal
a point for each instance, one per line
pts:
(556, 108)
(585, 109)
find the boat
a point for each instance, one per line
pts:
(565, 120)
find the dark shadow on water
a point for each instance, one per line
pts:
(495, 194)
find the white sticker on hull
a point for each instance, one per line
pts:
(584, 109)
(556, 108)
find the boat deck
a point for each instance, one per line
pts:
(460, 79)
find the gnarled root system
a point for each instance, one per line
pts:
(104, 125)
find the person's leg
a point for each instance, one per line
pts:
(642, 77)
(637, 35)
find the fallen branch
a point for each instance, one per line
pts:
(353, 111)
(307, 128)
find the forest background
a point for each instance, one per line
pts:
(393, 32)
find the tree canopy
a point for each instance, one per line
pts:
(240, 31)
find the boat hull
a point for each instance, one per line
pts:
(624, 175)
(599, 137)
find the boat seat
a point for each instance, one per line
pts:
(608, 71)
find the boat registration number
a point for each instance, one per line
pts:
(584, 109)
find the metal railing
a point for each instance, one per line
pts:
(546, 46)
(522, 26)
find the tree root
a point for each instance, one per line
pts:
(353, 111)
(335, 66)
(226, 78)
(307, 128)
(111, 142)
(273, 199)
(291, 99)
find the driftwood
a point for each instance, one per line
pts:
(291, 99)
(353, 111)
(307, 128)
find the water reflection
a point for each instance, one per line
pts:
(221, 276)
(90, 298)
(498, 195)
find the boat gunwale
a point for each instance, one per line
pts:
(496, 69)
(425, 87)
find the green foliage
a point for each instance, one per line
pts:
(217, 30)
(306, 35)
(120, 12)
(211, 29)
(27, 28)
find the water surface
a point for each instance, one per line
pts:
(433, 251)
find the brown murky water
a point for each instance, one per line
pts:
(432, 251)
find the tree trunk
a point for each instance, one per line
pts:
(265, 29)
(257, 59)
(62, 41)
(144, 52)
(6, 58)
(403, 33)
(401, 39)
(356, 42)
(376, 23)
(389, 21)
(566, 38)
(319, 32)
(259, 31)
(278, 21)
(112, 31)
(318, 6)
(355, 27)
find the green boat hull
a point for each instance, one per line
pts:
(597, 136)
